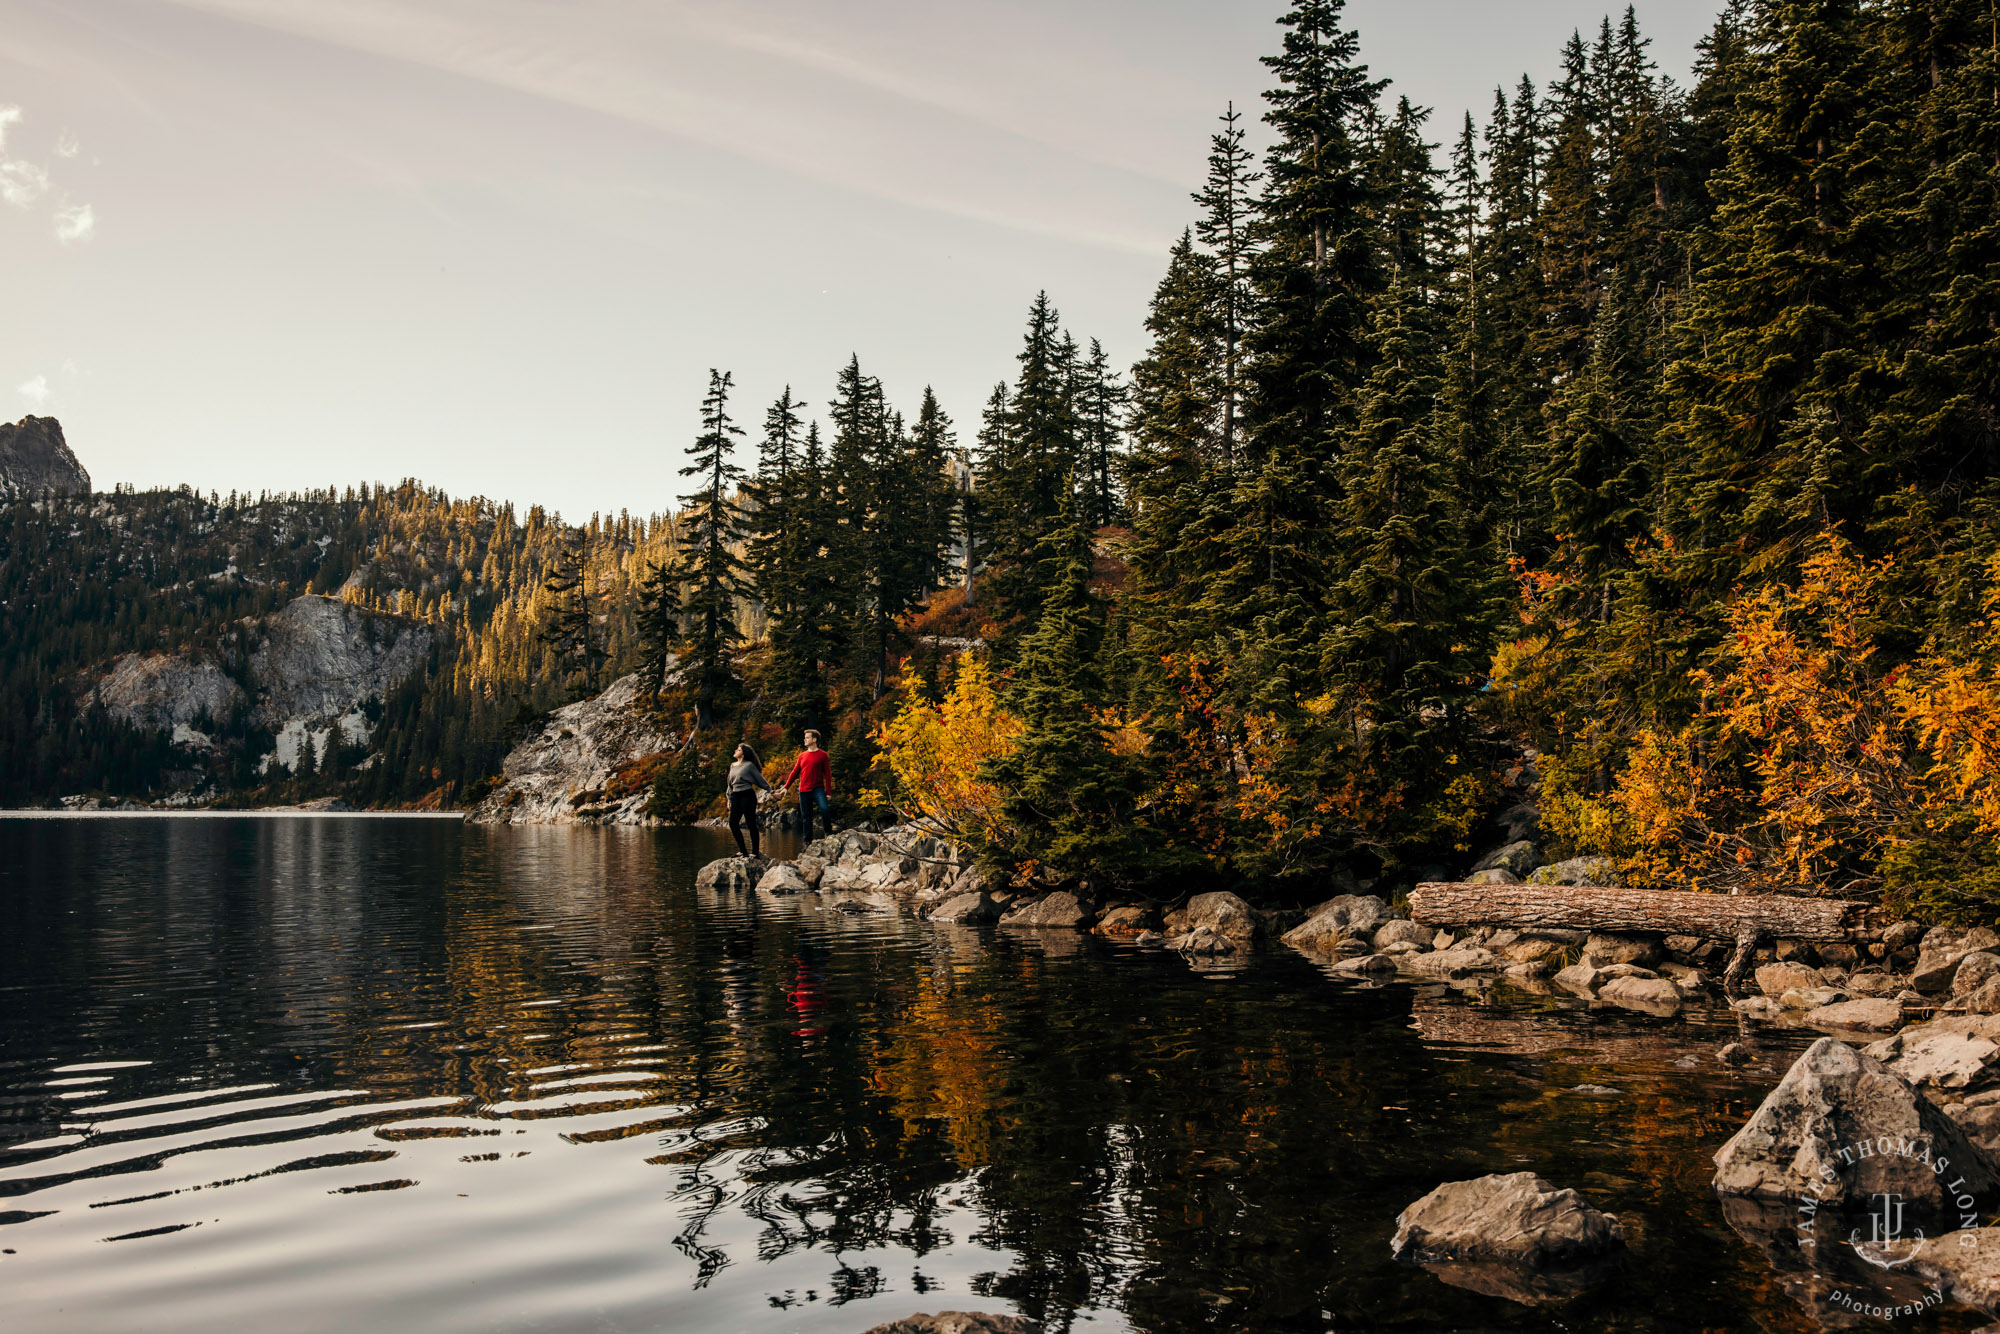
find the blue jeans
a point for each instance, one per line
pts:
(811, 799)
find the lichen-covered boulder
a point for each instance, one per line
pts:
(1512, 1218)
(1577, 871)
(1808, 1137)
(1493, 875)
(1517, 858)
(1222, 913)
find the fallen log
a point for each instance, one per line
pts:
(1725, 917)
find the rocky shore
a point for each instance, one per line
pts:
(1900, 1097)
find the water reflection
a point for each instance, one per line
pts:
(325, 1074)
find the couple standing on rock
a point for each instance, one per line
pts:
(746, 776)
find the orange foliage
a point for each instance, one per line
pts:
(936, 752)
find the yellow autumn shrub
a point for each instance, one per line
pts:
(936, 752)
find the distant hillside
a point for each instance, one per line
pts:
(170, 645)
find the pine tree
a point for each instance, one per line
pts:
(707, 564)
(1026, 478)
(659, 626)
(569, 630)
(1101, 404)
(1070, 797)
(1225, 228)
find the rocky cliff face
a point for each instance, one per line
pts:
(570, 771)
(34, 460)
(312, 667)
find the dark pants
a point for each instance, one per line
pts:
(810, 801)
(742, 809)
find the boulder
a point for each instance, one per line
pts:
(1205, 940)
(1975, 970)
(1957, 1055)
(1526, 947)
(966, 910)
(1875, 984)
(1966, 1264)
(1128, 920)
(1346, 916)
(1816, 1131)
(1577, 871)
(1986, 1000)
(1493, 875)
(1608, 947)
(1775, 979)
(958, 1322)
(731, 873)
(1059, 909)
(1944, 949)
(1581, 979)
(1400, 932)
(1221, 912)
(810, 868)
(1877, 1014)
(1366, 965)
(1734, 1053)
(1517, 858)
(1459, 961)
(1653, 995)
(1902, 935)
(782, 878)
(1979, 1117)
(1811, 998)
(1513, 1218)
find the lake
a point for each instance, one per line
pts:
(325, 1074)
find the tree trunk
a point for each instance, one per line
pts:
(1726, 917)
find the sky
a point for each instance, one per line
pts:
(497, 245)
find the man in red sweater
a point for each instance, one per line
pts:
(815, 777)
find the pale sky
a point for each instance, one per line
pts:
(497, 244)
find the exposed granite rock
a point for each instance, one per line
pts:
(1493, 875)
(1804, 1137)
(1366, 965)
(1580, 979)
(1458, 961)
(1126, 920)
(559, 774)
(318, 657)
(35, 460)
(1401, 932)
(169, 690)
(1511, 1218)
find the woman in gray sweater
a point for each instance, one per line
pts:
(746, 777)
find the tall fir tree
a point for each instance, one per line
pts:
(707, 563)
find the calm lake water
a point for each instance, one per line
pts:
(346, 1074)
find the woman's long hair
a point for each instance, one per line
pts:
(750, 754)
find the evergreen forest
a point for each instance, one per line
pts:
(1632, 450)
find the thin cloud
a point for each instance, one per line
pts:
(24, 183)
(36, 391)
(75, 222)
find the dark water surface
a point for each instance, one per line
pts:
(354, 1074)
